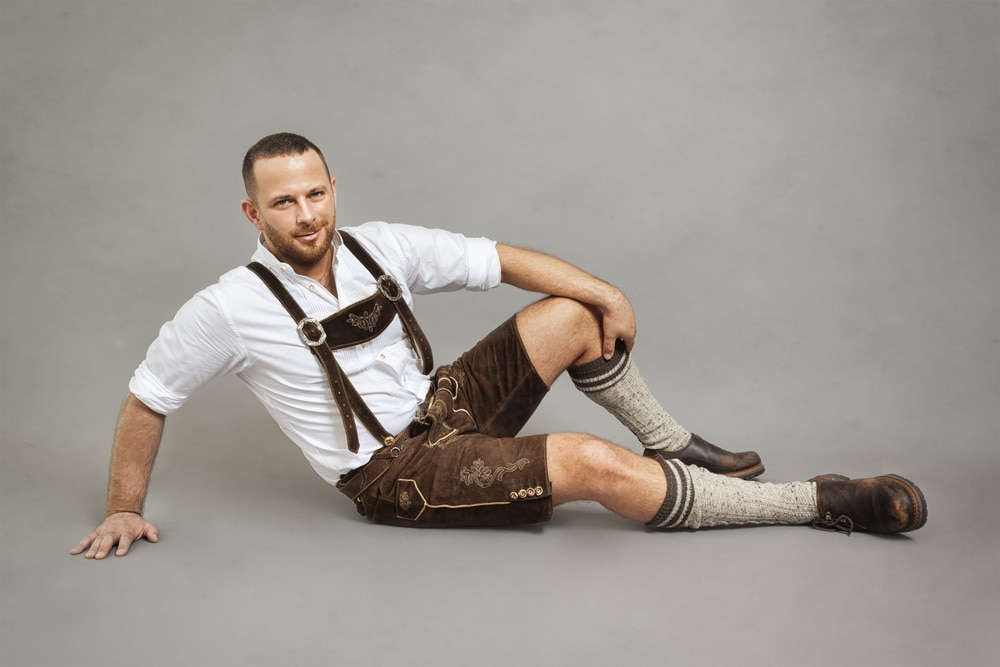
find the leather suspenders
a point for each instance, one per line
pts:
(389, 288)
(356, 324)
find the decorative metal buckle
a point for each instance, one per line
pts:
(305, 337)
(389, 287)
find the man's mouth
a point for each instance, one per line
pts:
(312, 236)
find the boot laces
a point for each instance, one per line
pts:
(842, 524)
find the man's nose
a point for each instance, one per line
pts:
(307, 213)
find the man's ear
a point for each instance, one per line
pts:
(251, 212)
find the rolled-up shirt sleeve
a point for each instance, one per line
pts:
(199, 344)
(484, 264)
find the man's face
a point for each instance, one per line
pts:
(294, 205)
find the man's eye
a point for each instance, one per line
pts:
(317, 194)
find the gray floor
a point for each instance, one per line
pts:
(800, 197)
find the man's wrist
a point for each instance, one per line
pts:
(109, 513)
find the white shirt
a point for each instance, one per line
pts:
(238, 326)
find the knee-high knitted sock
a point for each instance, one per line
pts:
(617, 386)
(697, 498)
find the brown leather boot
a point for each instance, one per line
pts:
(701, 452)
(884, 504)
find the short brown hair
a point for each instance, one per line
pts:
(276, 145)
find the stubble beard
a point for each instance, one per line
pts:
(299, 254)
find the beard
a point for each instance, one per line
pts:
(291, 250)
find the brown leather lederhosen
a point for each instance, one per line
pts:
(358, 323)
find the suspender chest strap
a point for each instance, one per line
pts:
(356, 324)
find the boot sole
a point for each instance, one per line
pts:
(746, 473)
(919, 503)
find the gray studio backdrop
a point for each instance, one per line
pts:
(801, 199)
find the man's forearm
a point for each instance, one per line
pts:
(538, 272)
(137, 439)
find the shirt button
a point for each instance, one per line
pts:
(312, 287)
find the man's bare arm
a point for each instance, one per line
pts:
(537, 272)
(137, 439)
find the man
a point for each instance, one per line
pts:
(320, 329)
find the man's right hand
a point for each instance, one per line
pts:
(121, 528)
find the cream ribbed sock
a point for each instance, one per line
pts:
(617, 386)
(697, 498)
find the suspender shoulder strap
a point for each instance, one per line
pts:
(279, 291)
(390, 288)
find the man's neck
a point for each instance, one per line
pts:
(321, 271)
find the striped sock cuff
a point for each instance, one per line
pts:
(679, 500)
(601, 373)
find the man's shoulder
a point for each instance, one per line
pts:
(381, 229)
(238, 278)
(373, 231)
(395, 239)
(235, 284)
(385, 241)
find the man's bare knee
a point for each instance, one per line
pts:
(558, 333)
(583, 467)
